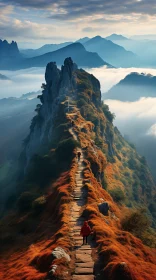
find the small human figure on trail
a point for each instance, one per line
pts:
(85, 231)
(79, 155)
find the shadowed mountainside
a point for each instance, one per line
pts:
(73, 118)
(133, 87)
(145, 49)
(44, 49)
(3, 77)
(111, 52)
(76, 50)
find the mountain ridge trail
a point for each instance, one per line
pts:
(84, 264)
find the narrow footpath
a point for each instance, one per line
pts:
(83, 260)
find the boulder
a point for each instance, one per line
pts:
(104, 208)
(59, 253)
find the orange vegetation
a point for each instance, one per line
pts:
(31, 258)
(121, 255)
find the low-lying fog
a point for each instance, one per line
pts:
(136, 120)
(27, 80)
(21, 82)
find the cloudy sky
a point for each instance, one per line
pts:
(39, 21)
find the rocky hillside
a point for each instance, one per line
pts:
(55, 193)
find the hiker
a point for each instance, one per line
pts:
(85, 231)
(79, 155)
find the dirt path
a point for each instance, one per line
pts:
(83, 260)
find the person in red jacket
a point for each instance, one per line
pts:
(85, 231)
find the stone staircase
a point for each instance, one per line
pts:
(84, 264)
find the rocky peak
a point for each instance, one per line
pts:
(8, 50)
(52, 73)
(69, 67)
(59, 85)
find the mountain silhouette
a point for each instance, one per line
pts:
(133, 87)
(111, 52)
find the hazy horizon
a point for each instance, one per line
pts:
(38, 22)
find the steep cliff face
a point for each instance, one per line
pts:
(125, 170)
(60, 84)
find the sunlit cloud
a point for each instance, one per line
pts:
(152, 130)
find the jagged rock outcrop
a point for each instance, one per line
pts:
(59, 85)
(8, 50)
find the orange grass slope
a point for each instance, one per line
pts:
(121, 255)
(111, 162)
(30, 257)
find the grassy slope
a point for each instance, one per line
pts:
(29, 237)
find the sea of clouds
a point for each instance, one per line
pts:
(132, 118)
(136, 120)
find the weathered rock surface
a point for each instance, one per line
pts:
(59, 84)
(60, 253)
(104, 208)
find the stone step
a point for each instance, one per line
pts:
(76, 238)
(83, 277)
(84, 270)
(81, 258)
(85, 247)
(86, 265)
(84, 252)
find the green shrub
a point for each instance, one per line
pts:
(127, 174)
(39, 204)
(65, 149)
(117, 194)
(81, 102)
(104, 181)
(42, 170)
(133, 164)
(107, 112)
(24, 202)
(137, 222)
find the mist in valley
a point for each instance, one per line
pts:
(136, 120)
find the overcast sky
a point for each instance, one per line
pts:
(42, 21)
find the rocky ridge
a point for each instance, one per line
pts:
(60, 192)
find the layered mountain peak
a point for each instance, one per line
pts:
(7, 49)
(61, 86)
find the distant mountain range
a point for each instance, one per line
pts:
(111, 52)
(77, 51)
(115, 50)
(116, 37)
(44, 49)
(3, 77)
(133, 87)
(144, 49)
